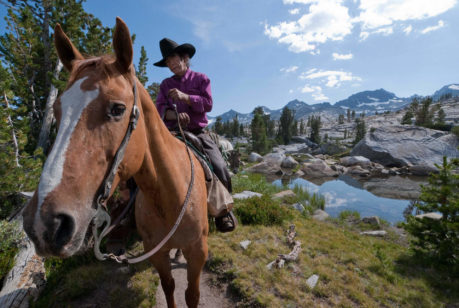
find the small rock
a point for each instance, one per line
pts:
(312, 281)
(372, 220)
(434, 216)
(245, 244)
(355, 160)
(299, 207)
(374, 233)
(320, 215)
(246, 194)
(285, 193)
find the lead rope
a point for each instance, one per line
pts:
(123, 258)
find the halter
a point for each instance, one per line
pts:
(102, 217)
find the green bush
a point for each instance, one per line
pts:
(438, 239)
(10, 237)
(262, 211)
(253, 182)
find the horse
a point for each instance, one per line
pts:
(93, 114)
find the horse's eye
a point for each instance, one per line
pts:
(117, 110)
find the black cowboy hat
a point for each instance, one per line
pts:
(169, 47)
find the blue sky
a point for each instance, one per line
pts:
(268, 52)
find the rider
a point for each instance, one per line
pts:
(190, 92)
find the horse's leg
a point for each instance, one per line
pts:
(162, 264)
(196, 256)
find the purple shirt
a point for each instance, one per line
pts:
(197, 86)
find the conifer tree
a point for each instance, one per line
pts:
(258, 130)
(315, 129)
(360, 130)
(141, 70)
(286, 124)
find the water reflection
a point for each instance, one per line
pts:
(346, 193)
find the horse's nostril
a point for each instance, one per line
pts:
(64, 227)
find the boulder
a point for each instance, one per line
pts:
(289, 163)
(318, 168)
(305, 140)
(403, 145)
(357, 170)
(285, 193)
(395, 187)
(246, 194)
(423, 170)
(274, 158)
(312, 281)
(355, 160)
(320, 215)
(372, 220)
(298, 206)
(255, 157)
(265, 168)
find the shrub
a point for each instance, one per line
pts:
(455, 131)
(10, 237)
(438, 239)
(262, 211)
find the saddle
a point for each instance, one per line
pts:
(219, 200)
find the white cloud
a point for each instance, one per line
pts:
(316, 92)
(381, 13)
(337, 56)
(289, 69)
(326, 20)
(294, 11)
(384, 31)
(331, 78)
(408, 29)
(440, 24)
(309, 89)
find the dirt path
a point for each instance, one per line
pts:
(211, 295)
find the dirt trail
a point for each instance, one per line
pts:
(212, 296)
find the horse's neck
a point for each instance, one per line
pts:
(166, 165)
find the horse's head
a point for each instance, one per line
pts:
(93, 115)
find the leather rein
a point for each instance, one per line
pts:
(102, 217)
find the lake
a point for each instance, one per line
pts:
(346, 193)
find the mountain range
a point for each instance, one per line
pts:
(368, 102)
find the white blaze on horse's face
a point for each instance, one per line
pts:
(73, 103)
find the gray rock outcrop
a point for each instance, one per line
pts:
(289, 163)
(403, 145)
(255, 157)
(318, 168)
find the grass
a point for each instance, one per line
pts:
(353, 270)
(10, 237)
(83, 280)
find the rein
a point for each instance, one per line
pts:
(102, 217)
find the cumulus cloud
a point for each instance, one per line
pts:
(316, 92)
(327, 20)
(331, 78)
(289, 69)
(337, 56)
(381, 13)
(440, 24)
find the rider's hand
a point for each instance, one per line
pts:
(178, 95)
(170, 115)
(184, 119)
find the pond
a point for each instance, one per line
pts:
(346, 193)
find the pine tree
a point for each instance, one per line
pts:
(360, 130)
(315, 129)
(258, 130)
(153, 90)
(441, 115)
(286, 123)
(348, 115)
(353, 114)
(218, 127)
(438, 238)
(406, 120)
(341, 119)
(302, 130)
(141, 71)
(345, 133)
(424, 115)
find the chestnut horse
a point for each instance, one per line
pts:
(93, 114)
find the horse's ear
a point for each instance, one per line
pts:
(65, 49)
(123, 45)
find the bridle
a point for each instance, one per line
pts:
(102, 217)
